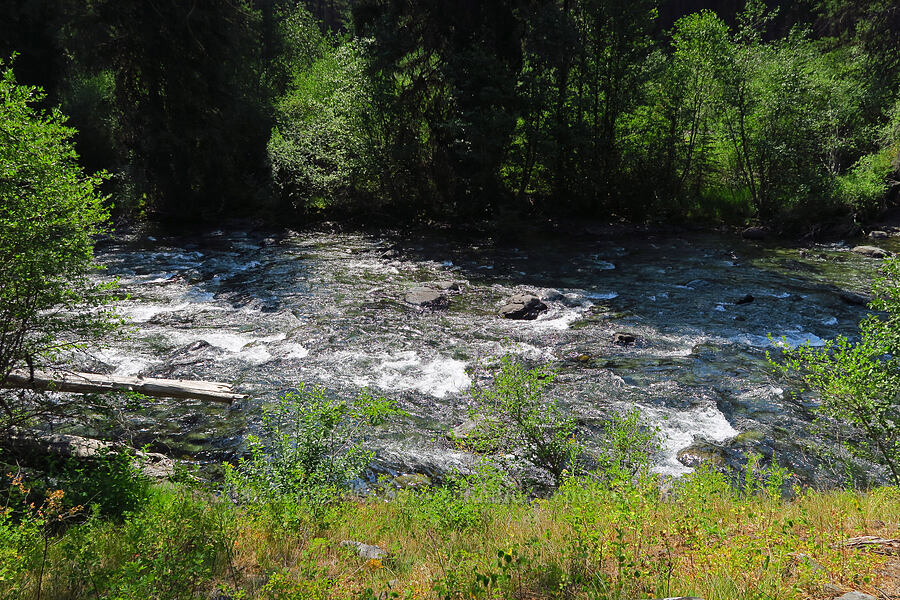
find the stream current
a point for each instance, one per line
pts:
(266, 311)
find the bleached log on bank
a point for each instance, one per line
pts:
(88, 383)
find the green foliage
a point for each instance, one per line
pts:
(514, 414)
(858, 383)
(49, 212)
(462, 503)
(320, 149)
(310, 449)
(627, 448)
(110, 484)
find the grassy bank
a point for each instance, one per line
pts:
(476, 538)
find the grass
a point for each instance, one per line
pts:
(475, 538)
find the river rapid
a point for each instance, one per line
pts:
(267, 310)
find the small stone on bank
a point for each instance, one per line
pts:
(857, 596)
(367, 551)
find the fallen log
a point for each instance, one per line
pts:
(86, 383)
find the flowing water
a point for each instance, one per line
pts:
(267, 311)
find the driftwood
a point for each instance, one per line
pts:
(28, 446)
(875, 544)
(86, 383)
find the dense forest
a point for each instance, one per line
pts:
(648, 110)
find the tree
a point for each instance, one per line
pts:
(49, 212)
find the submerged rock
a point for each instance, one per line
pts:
(871, 251)
(524, 307)
(367, 551)
(745, 299)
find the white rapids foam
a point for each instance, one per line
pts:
(407, 370)
(679, 429)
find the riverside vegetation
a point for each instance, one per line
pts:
(277, 526)
(785, 112)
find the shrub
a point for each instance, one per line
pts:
(513, 414)
(310, 449)
(49, 212)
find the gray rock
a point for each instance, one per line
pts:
(701, 453)
(367, 551)
(830, 588)
(427, 298)
(879, 235)
(448, 286)
(755, 233)
(623, 339)
(523, 306)
(857, 596)
(871, 251)
(745, 299)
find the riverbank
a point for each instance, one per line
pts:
(474, 539)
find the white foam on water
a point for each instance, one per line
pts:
(142, 313)
(294, 350)
(720, 307)
(558, 319)
(680, 428)
(790, 339)
(604, 265)
(253, 350)
(407, 370)
(830, 321)
(122, 363)
(601, 295)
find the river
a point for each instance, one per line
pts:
(268, 310)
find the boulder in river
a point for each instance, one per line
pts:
(745, 299)
(755, 233)
(448, 286)
(523, 306)
(854, 298)
(427, 298)
(879, 235)
(871, 251)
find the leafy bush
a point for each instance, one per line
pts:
(462, 503)
(513, 414)
(113, 482)
(49, 212)
(310, 448)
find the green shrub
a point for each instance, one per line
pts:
(113, 482)
(513, 414)
(310, 449)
